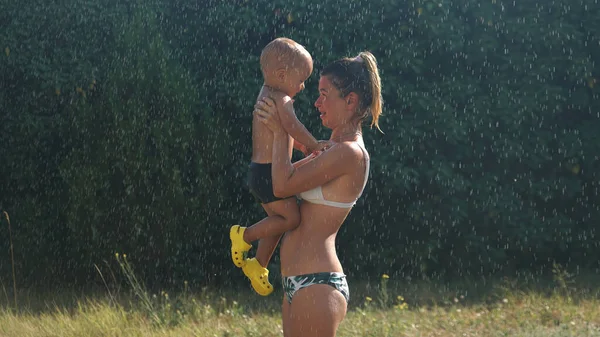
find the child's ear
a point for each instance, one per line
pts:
(280, 74)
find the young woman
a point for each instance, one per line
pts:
(329, 183)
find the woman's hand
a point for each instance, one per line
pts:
(266, 111)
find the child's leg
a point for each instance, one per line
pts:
(283, 215)
(255, 268)
(266, 246)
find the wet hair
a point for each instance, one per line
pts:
(361, 76)
(281, 53)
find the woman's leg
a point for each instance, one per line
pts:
(285, 317)
(315, 311)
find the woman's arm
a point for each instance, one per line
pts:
(289, 180)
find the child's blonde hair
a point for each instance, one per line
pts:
(281, 53)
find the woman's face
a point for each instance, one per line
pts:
(330, 104)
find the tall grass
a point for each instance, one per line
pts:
(12, 258)
(560, 305)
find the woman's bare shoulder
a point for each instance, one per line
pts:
(347, 152)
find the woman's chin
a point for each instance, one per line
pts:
(323, 121)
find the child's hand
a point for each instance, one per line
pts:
(324, 145)
(302, 148)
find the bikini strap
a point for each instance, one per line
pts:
(367, 168)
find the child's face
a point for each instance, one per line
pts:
(296, 76)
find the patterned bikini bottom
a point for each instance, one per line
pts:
(291, 284)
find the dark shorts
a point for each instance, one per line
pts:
(260, 183)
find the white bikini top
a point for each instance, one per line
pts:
(315, 195)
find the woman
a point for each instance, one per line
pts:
(329, 183)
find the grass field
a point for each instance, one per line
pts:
(559, 306)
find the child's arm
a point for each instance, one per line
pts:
(300, 147)
(305, 160)
(322, 146)
(293, 127)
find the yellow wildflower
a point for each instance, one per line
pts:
(402, 306)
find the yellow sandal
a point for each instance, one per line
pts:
(239, 247)
(259, 277)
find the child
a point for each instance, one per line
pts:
(285, 66)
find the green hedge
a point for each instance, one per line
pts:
(125, 127)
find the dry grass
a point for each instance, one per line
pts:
(504, 309)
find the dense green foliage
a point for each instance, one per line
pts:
(125, 127)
